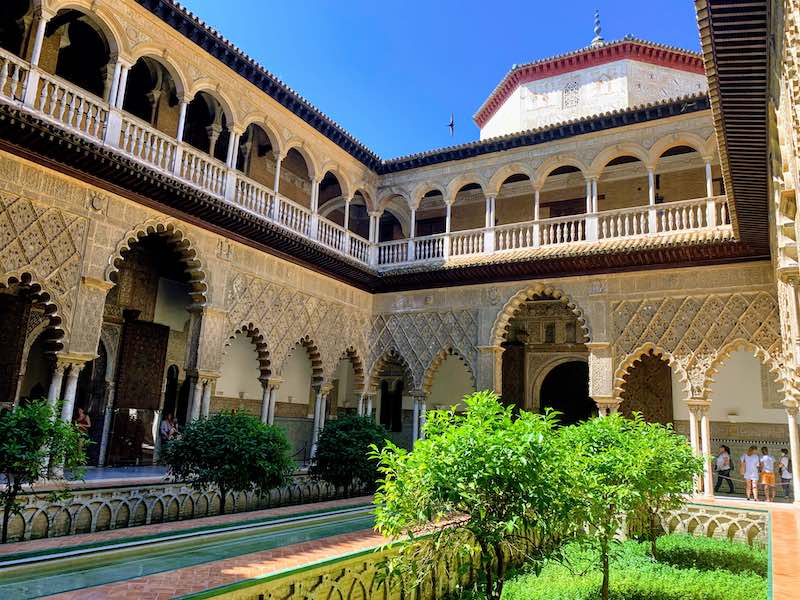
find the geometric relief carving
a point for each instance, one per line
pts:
(419, 337)
(46, 242)
(648, 390)
(695, 330)
(285, 315)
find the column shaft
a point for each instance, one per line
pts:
(107, 415)
(705, 435)
(794, 451)
(181, 120)
(415, 422)
(54, 392)
(197, 399)
(69, 392)
(265, 398)
(206, 398)
(38, 40)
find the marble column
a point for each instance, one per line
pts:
(266, 393)
(694, 442)
(107, 417)
(56, 381)
(207, 385)
(705, 441)
(794, 450)
(70, 390)
(197, 399)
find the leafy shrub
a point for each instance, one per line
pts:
(234, 451)
(343, 452)
(686, 551)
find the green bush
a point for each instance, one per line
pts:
(636, 576)
(685, 551)
(343, 452)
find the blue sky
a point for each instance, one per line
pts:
(392, 71)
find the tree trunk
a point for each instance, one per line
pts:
(604, 552)
(13, 490)
(653, 535)
(501, 570)
(222, 495)
(6, 517)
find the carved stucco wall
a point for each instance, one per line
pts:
(284, 315)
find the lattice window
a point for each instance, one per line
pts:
(572, 95)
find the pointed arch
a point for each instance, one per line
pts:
(311, 348)
(512, 306)
(391, 355)
(647, 348)
(352, 355)
(720, 356)
(182, 245)
(257, 338)
(39, 293)
(436, 362)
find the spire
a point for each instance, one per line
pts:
(598, 38)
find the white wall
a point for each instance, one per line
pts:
(451, 383)
(617, 85)
(171, 303)
(346, 378)
(737, 388)
(240, 371)
(297, 372)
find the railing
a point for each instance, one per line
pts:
(393, 253)
(13, 76)
(681, 216)
(203, 171)
(71, 106)
(293, 216)
(80, 112)
(253, 197)
(141, 141)
(562, 230)
(463, 243)
(513, 237)
(430, 247)
(623, 223)
(332, 235)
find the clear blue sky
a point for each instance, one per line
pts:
(392, 71)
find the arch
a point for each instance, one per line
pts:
(649, 348)
(356, 361)
(263, 123)
(424, 188)
(157, 54)
(257, 338)
(565, 388)
(503, 173)
(546, 368)
(436, 362)
(608, 154)
(683, 138)
(390, 196)
(507, 312)
(721, 355)
(39, 293)
(212, 88)
(105, 20)
(311, 162)
(182, 245)
(317, 373)
(459, 182)
(344, 181)
(554, 162)
(391, 355)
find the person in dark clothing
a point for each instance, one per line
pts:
(723, 468)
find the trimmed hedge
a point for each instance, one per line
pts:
(636, 576)
(706, 554)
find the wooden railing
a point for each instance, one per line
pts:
(82, 113)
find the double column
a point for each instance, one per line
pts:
(419, 399)
(374, 235)
(491, 216)
(591, 208)
(269, 399)
(201, 394)
(700, 440)
(320, 403)
(42, 16)
(366, 403)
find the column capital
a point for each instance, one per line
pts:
(375, 213)
(42, 12)
(271, 382)
(98, 284)
(418, 394)
(325, 389)
(792, 409)
(74, 360)
(491, 349)
(698, 405)
(598, 346)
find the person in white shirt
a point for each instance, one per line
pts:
(750, 471)
(767, 468)
(723, 468)
(785, 465)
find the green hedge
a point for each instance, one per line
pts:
(684, 551)
(635, 576)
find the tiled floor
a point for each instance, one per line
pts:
(144, 530)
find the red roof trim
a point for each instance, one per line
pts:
(626, 50)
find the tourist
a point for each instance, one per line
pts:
(767, 468)
(723, 467)
(750, 471)
(168, 429)
(785, 465)
(83, 421)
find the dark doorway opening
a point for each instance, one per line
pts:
(566, 389)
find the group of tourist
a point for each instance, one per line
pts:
(757, 470)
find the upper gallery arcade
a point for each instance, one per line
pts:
(169, 206)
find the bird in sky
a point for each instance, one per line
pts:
(452, 125)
